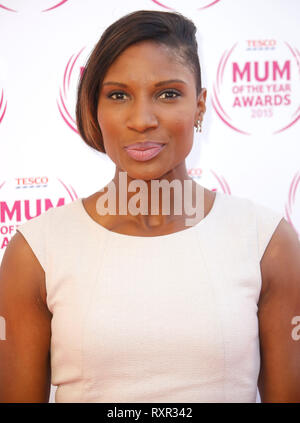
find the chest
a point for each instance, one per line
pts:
(139, 302)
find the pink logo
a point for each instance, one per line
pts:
(210, 179)
(66, 101)
(292, 208)
(257, 87)
(179, 4)
(3, 106)
(50, 5)
(24, 198)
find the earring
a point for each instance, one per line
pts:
(199, 126)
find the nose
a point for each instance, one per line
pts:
(141, 116)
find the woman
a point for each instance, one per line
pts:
(140, 306)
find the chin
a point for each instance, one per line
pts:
(145, 174)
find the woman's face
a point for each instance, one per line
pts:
(148, 95)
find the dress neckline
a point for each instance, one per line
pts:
(102, 228)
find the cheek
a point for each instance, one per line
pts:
(109, 131)
(183, 131)
(105, 122)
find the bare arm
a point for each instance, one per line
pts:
(25, 353)
(279, 379)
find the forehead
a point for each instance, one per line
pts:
(150, 61)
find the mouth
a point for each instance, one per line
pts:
(143, 151)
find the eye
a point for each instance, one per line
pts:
(117, 95)
(169, 95)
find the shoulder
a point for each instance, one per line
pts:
(249, 213)
(26, 255)
(278, 312)
(280, 264)
(277, 242)
(24, 357)
(53, 213)
(279, 252)
(28, 249)
(21, 271)
(41, 228)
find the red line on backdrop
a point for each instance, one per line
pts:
(289, 219)
(65, 74)
(70, 73)
(297, 117)
(62, 115)
(225, 61)
(290, 192)
(3, 113)
(218, 70)
(162, 5)
(211, 4)
(7, 8)
(288, 126)
(199, 8)
(219, 104)
(1, 101)
(67, 189)
(297, 111)
(227, 123)
(55, 6)
(66, 110)
(227, 186)
(75, 195)
(295, 55)
(295, 188)
(219, 180)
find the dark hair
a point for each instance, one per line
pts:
(170, 29)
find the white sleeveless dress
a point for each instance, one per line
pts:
(170, 318)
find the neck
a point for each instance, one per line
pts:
(156, 202)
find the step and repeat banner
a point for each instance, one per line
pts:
(250, 142)
(250, 60)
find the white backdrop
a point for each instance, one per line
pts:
(249, 147)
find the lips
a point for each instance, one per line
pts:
(144, 145)
(143, 151)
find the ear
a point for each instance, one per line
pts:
(201, 107)
(201, 102)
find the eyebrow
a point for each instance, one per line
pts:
(169, 81)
